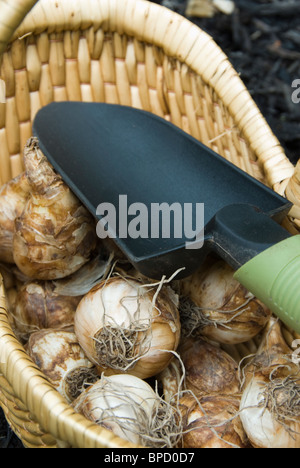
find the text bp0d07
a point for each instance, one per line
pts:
(167, 457)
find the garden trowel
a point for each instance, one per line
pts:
(167, 200)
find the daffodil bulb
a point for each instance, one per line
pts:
(130, 408)
(62, 360)
(269, 414)
(215, 305)
(124, 325)
(270, 402)
(208, 368)
(55, 235)
(37, 306)
(212, 421)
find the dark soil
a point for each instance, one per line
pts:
(7, 438)
(262, 41)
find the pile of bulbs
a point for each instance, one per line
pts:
(193, 363)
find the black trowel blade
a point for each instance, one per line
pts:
(119, 156)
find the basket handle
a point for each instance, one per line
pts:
(12, 13)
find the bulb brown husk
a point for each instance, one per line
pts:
(13, 197)
(59, 356)
(272, 356)
(208, 368)
(215, 305)
(37, 307)
(55, 234)
(212, 421)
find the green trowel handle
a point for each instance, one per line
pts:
(273, 276)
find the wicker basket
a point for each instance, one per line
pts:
(131, 52)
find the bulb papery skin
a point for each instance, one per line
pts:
(55, 234)
(120, 403)
(270, 399)
(217, 306)
(212, 421)
(261, 427)
(13, 197)
(38, 307)
(60, 357)
(121, 330)
(208, 368)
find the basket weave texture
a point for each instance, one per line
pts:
(129, 52)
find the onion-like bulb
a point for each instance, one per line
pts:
(202, 368)
(130, 408)
(270, 403)
(124, 325)
(55, 235)
(212, 421)
(37, 306)
(217, 306)
(208, 368)
(13, 197)
(61, 359)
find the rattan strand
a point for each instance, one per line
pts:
(135, 53)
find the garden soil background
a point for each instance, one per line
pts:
(262, 41)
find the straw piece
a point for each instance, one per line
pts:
(8, 74)
(97, 81)
(46, 89)
(84, 61)
(2, 113)
(57, 61)
(71, 44)
(35, 103)
(12, 126)
(22, 96)
(33, 67)
(73, 81)
(107, 61)
(4, 158)
(131, 63)
(143, 87)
